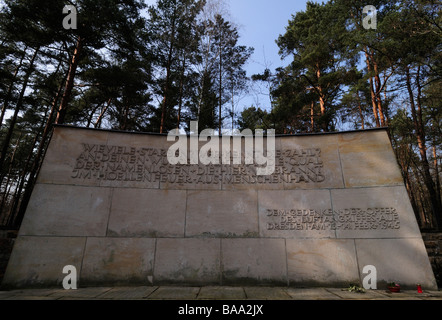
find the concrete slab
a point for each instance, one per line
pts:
(290, 214)
(175, 293)
(313, 161)
(254, 261)
(148, 214)
(39, 261)
(368, 160)
(402, 296)
(266, 293)
(67, 152)
(377, 212)
(81, 293)
(311, 294)
(432, 295)
(118, 260)
(31, 297)
(187, 261)
(222, 214)
(64, 213)
(368, 295)
(128, 160)
(127, 293)
(222, 293)
(403, 261)
(6, 295)
(29, 294)
(321, 261)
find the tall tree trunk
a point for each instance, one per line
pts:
(419, 192)
(11, 163)
(403, 159)
(180, 104)
(22, 179)
(361, 114)
(203, 80)
(123, 126)
(69, 81)
(312, 116)
(4, 214)
(420, 136)
(233, 105)
(372, 91)
(436, 133)
(164, 102)
(168, 74)
(321, 98)
(378, 92)
(385, 107)
(100, 117)
(91, 115)
(412, 198)
(220, 103)
(319, 89)
(18, 107)
(37, 161)
(11, 86)
(436, 171)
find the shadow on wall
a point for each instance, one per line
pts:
(7, 238)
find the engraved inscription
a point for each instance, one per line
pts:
(124, 163)
(328, 219)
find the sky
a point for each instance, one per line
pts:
(260, 22)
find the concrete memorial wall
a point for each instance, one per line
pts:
(111, 205)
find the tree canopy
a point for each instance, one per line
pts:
(130, 66)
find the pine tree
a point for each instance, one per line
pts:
(171, 25)
(229, 61)
(417, 60)
(314, 39)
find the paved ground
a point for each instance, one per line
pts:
(213, 293)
